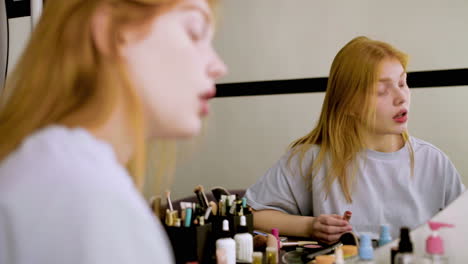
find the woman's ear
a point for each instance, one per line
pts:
(100, 30)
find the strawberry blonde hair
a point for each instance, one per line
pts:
(63, 78)
(348, 110)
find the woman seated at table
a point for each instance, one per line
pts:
(359, 157)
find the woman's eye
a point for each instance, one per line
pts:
(402, 84)
(382, 93)
(196, 27)
(194, 35)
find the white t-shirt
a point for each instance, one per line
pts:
(385, 192)
(64, 198)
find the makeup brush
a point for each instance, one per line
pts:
(214, 208)
(155, 204)
(297, 244)
(260, 242)
(169, 203)
(218, 191)
(199, 191)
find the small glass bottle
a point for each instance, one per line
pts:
(405, 248)
(244, 243)
(385, 236)
(227, 243)
(366, 252)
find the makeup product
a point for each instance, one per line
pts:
(257, 258)
(231, 199)
(313, 246)
(208, 213)
(232, 209)
(218, 191)
(349, 251)
(155, 203)
(222, 208)
(349, 238)
(297, 243)
(275, 232)
(347, 215)
(168, 220)
(325, 259)
(239, 208)
(202, 200)
(435, 245)
(188, 217)
(272, 255)
(259, 242)
(244, 202)
(272, 241)
(256, 232)
(385, 237)
(184, 205)
(183, 210)
(327, 250)
(405, 248)
(393, 252)
(244, 243)
(366, 252)
(169, 203)
(227, 243)
(214, 208)
(339, 257)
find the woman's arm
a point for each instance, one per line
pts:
(325, 228)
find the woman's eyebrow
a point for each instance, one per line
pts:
(191, 7)
(388, 79)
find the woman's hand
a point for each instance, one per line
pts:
(329, 228)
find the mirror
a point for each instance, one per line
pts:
(283, 40)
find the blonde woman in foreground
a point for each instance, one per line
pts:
(97, 79)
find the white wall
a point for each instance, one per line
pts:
(277, 39)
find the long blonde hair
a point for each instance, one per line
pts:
(62, 77)
(348, 111)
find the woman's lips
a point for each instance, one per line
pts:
(205, 107)
(401, 117)
(204, 98)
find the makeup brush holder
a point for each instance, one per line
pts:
(193, 243)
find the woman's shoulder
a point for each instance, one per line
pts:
(75, 181)
(301, 156)
(57, 157)
(306, 152)
(422, 147)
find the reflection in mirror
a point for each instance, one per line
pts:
(263, 41)
(358, 157)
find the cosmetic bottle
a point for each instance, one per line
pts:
(227, 243)
(244, 243)
(435, 245)
(385, 236)
(405, 248)
(366, 252)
